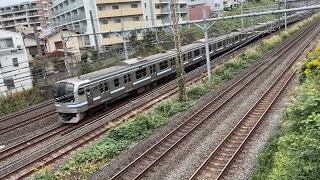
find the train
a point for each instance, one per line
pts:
(74, 97)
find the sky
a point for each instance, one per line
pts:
(10, 2)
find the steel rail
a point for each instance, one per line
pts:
(194, 72)
(167, 142)
(235, 140)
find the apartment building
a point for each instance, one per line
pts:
(27, 14)
(75, 14)
(15, 73)
(113, 15)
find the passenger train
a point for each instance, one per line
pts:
(75, 96)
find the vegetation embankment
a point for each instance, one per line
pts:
(21, 100)
(120, 138)
(294, 153)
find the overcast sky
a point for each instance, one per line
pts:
(10, 2)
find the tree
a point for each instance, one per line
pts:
(179, 58)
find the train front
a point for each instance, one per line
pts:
(69, 102)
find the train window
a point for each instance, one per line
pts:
(125, 79)
(163, 65)
(203, 50)
(80, 91)
(141, 73)
(106, 87)
(116, 82)
(220, 44)
(184, 57)
(101, 88)
(129, 77)
(189, 55)
(210, 48)
(197, 53)
(152, 69)
(173, 61)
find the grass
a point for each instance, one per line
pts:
(119, 139)
(20, 100)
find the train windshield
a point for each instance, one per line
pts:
(64, 92)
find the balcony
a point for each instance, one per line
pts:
(114, 1)
(65, 9)
(120, 12)
(117, 26)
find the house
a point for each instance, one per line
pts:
(30, 43)
(53, 41)
(15, 73)
(196, 11)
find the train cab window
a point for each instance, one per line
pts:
(106, 87)
(173, 61)
(152, 69)
(101, 88)
(80, 91)
(163, 65)
(141, 73)
(116, 82)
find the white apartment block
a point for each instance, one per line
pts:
(27, 14)
(215, 5)
(157, 12)
(15, 75)
(75, 14)
(108, 16)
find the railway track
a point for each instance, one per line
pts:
(216, 165)
(19, 147)
(26, 168)
(141, 165)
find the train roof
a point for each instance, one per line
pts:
(95, 74)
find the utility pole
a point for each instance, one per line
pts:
(39, 49)
(285, 16)
(124, 40)
(241, 12)
(205, 29)
(179, 58)
(64, 45)
(95, 35)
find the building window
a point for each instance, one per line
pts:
(141, 73)
(6, 43)
(104, 21)
(115, 6)
(136, 18)
(15, 62)
(134, 5)
(9, 83)
(117, 21)
(106, 35)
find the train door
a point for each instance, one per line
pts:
(127, 80)
(96, 95)
(153, 72)
(89, 95)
